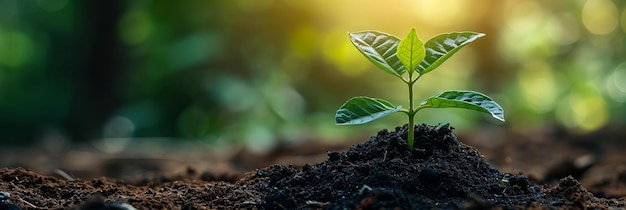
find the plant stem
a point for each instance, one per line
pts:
(411, 114)
(411, 135)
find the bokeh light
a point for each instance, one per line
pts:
(17, 48)
(538, 86)
(584, 109)
(616, 85)
(600, 16)
(135, 27)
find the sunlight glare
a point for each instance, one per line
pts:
(336, 50)
(447, 12)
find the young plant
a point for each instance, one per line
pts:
(412, 57)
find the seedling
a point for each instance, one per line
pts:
(412, 57)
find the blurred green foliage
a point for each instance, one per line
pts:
(258, 72)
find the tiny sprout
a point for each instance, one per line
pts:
(412, 57)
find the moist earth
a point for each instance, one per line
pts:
(440, 172)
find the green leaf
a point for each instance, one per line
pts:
(465, 99)
(359, 110)
(380, 49)
(411, 51)
(441, 47)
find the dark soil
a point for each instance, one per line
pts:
(440, 172)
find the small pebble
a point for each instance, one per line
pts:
(262, 173)
(333, 156)
(4, 196)
(4, 204)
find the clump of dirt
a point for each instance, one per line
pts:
(569, 193)
(440, 172)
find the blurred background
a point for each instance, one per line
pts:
(257, 73)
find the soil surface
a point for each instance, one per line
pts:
(381, 173)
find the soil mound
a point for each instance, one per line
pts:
(440, 172)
